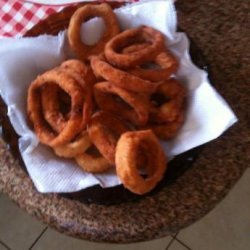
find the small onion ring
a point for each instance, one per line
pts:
(168, 130)
(134, 108)
(51, 107)
(50, 99)
(154, 38)
(82, 14)
(128, 150)
(105, 130)
(168, 66)
(72, 149)
(121, 78)
(92, 163)
(167, 63)
(174, 94)
(82, 69)
(73, 126)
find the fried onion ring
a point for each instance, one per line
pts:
(168, 130)
(82, 69)
(34, 108)
(84, 13)
(159, 69)
(144, 34)
(130, 106)
(105, 130)
(51, 107)
(72, 149)
(50, 97)
(165, 63)
(91, 161)
(167, 102)
(121, 78)
(128, 150)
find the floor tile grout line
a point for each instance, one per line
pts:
(2, 243)
(37, 239)
(170, 243)
(182, 243)
(175, 235)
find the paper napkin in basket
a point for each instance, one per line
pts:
(208, 115)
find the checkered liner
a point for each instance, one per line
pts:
(16, 17)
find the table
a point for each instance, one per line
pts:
(218, 27)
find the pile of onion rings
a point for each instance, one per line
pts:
(109, 108)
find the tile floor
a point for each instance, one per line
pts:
(227, 227)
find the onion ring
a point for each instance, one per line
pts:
(74, 148)
(154, 38)
(121, 78)
(173, 95)
(73, 126)
(82, 69)
(50, 98)
(128, 149)
(134, 47)
(133, 107)
(168, 65)
(105, 130)
(92, 162)
(51, 107)
(82, 50)
(165, 62)
(168, 130)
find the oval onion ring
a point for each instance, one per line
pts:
(73, 125)
(173, 94)
(50, 98)
(81, 68)
(168, 130)
(167, 64)
(132, 107)
(105, 130)
(121, 78)
(74, 148)
(144, 34)
(128, 150)
(51, 107)
(92, 162)
(82, 14)
(164, 64)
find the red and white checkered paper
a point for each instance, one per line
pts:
(16, 17)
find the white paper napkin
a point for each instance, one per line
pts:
(208, 115)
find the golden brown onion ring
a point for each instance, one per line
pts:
(82, 69)
(105, 130)
(72, 149)
(144, 34)
(168, 130)
(34, 108)
(121, 78)
(128, 150)
(51, 107)
(82, 50)
(165, 63)
(167, 102)
(50, 98)
(92, 161)
(130, 106)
